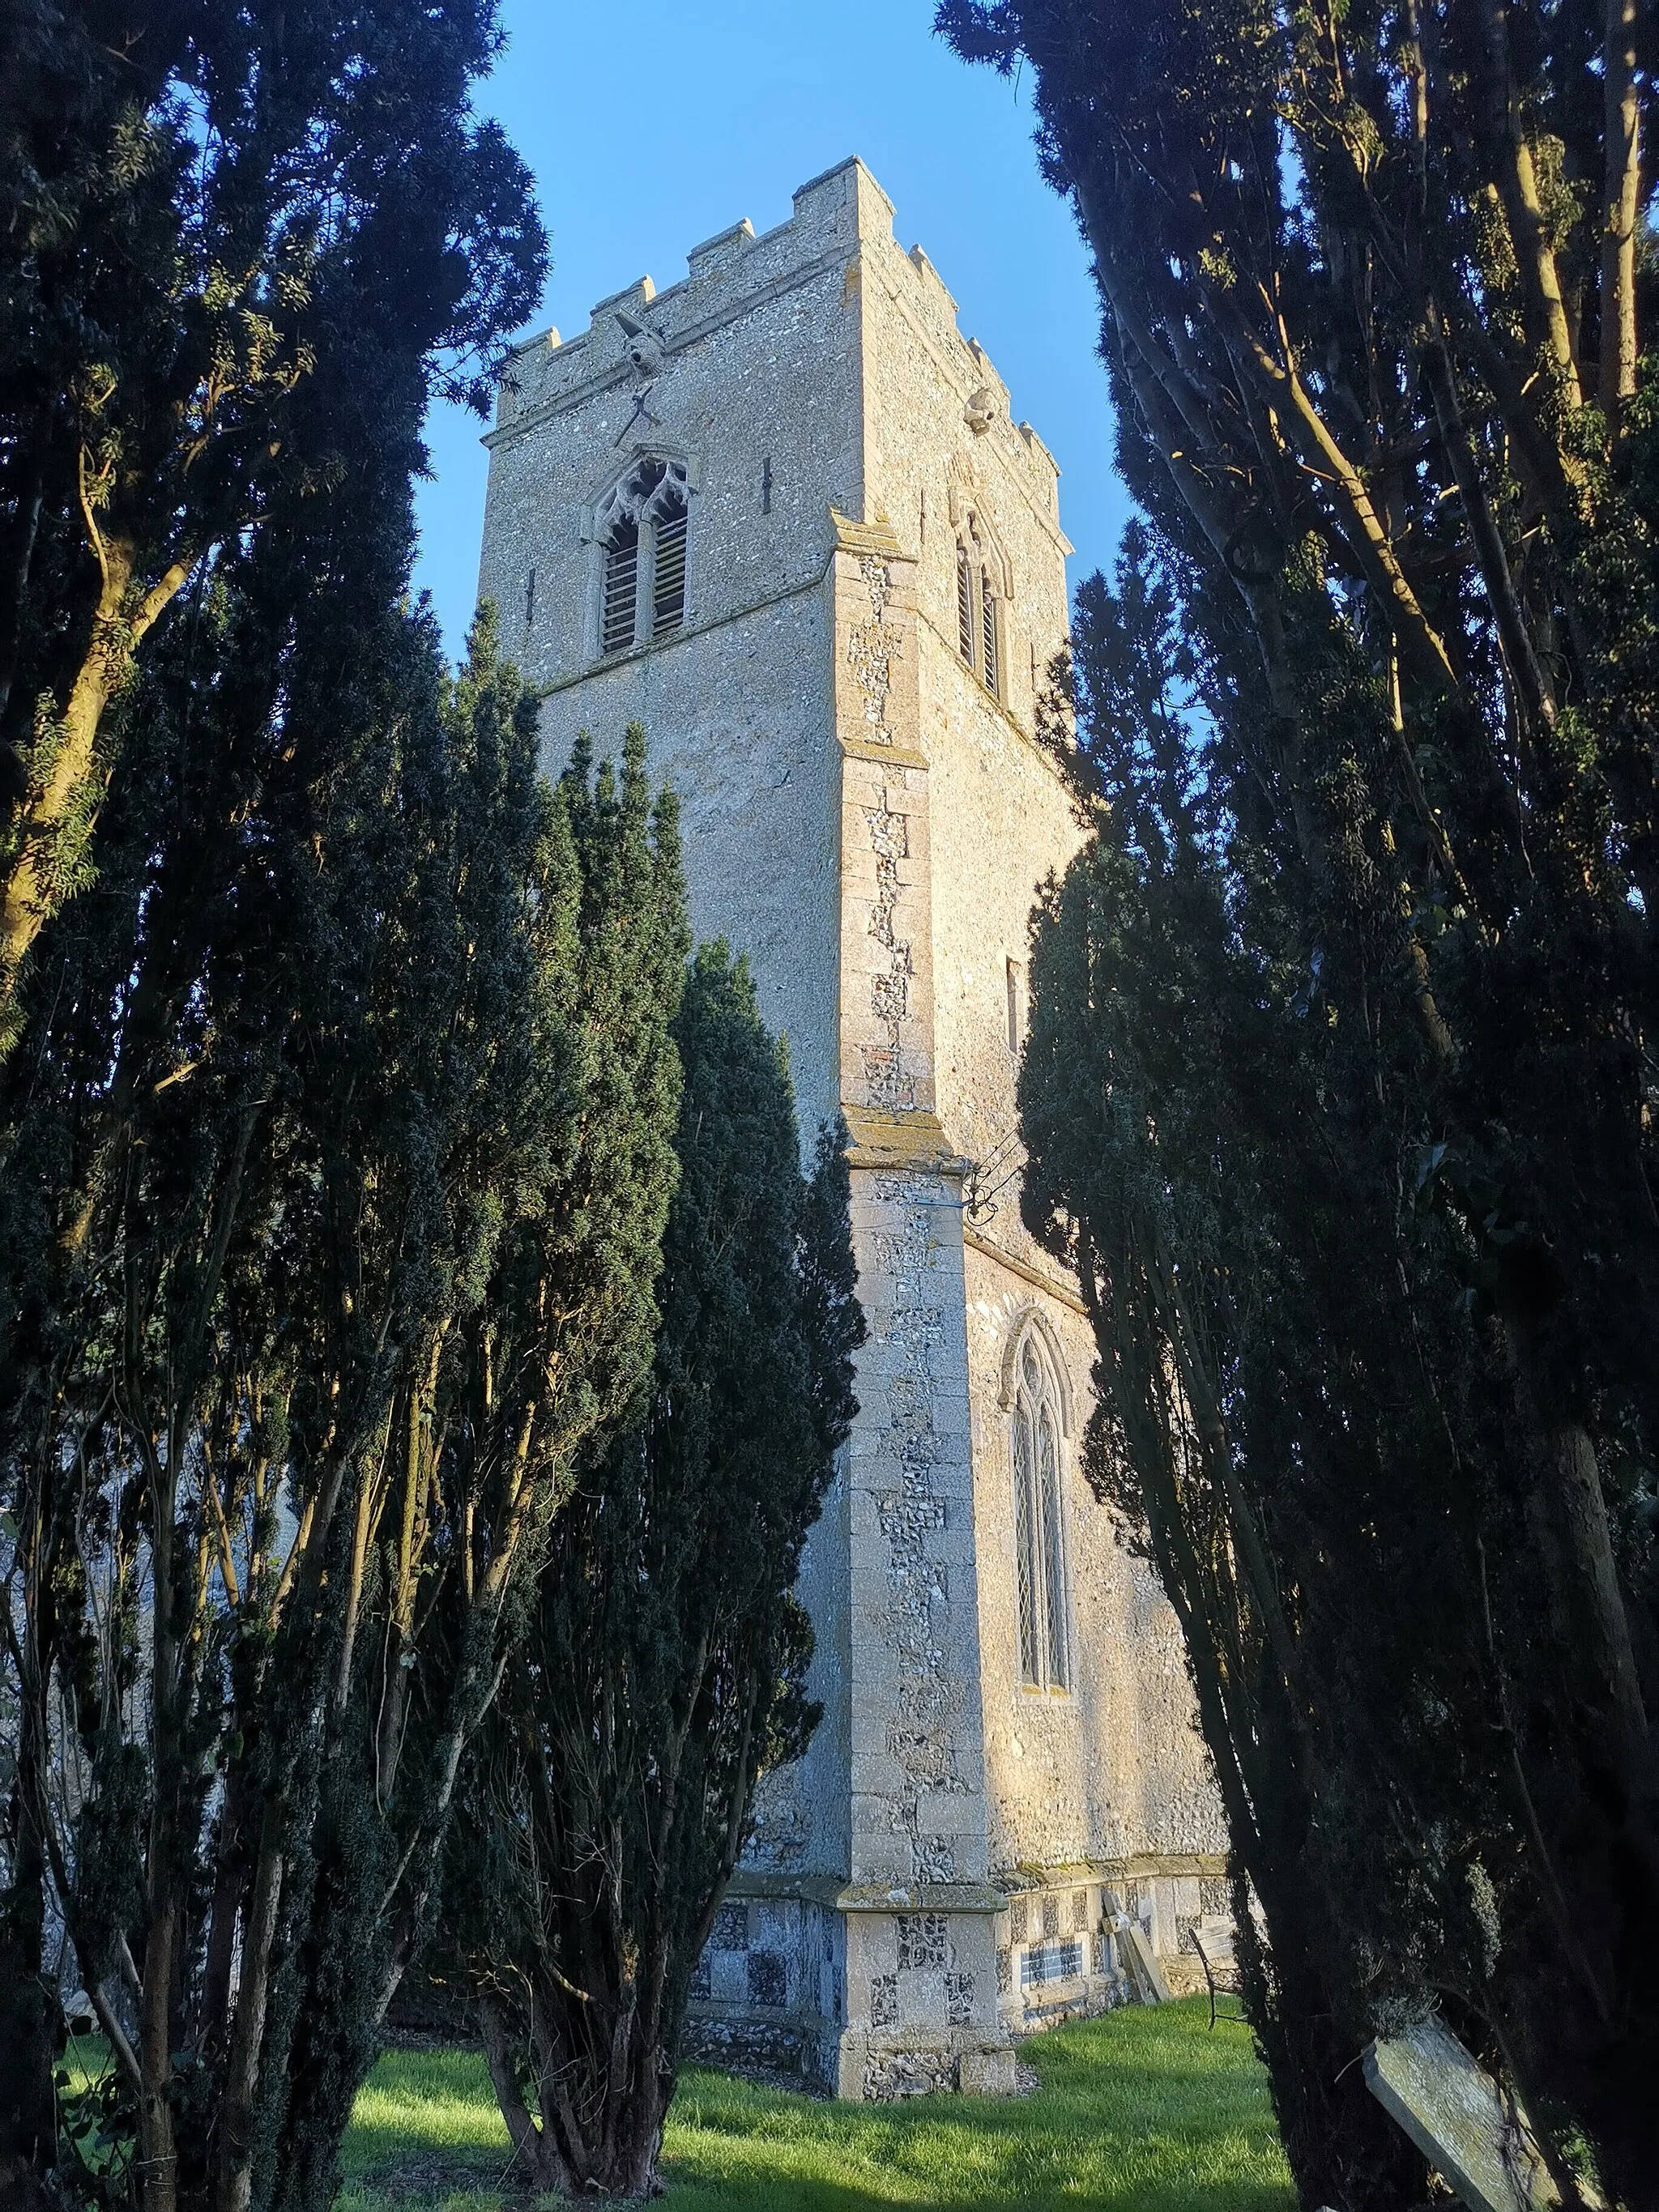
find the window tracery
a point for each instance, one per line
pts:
(1039, 1526)
(979, 609)
(642, 529)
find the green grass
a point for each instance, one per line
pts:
(1146, 2111)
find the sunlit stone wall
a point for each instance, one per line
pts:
(868, 823)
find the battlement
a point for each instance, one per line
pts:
(726, 274)
(837, 219)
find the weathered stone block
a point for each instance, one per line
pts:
(728, 1977)
(1456, 2114)
(989, 2073)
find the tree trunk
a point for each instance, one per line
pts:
(1517, 188)
(161, 1873)
(27, 2106)
(1622, 131)
(157, 2148)
(533, 2148)
(58, 818)
(235, 2178)
(639, 2145)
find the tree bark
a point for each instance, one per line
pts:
(1518, 189)
(235, 2177)
(533, 2147)
(68, 797)
(1622, 131)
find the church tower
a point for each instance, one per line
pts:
(781, 515)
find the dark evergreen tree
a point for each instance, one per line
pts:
(1339, 1087)
(242, 249)
(240, 246)
(564, 1083)
(338, 1160)
(609, 1796)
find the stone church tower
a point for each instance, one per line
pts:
(781, 515)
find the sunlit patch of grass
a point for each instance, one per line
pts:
(1149, 2110)
(427, 2134)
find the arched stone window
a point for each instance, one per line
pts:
(642, 528)
(1037, 1424)
(978, 603)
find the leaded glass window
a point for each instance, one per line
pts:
(1039, 1528)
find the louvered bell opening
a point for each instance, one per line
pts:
(668, 578)
(987, 609)
(965, 605)
(621, 571)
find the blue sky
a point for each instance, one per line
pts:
(649, 126)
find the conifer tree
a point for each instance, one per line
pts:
(609, 1797)
(242, 248)
(337, 1168)
(241, 245)
(1339, 1086)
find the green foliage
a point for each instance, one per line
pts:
(338, 1161)
(1338, 1091)
(97, 2136)
(297, 1050)
(607, 1801)
(240, 248)
(1146, 2111)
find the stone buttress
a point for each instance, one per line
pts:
(842, 685)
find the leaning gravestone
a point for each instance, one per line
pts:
(1148, 1977)
(1460, 2119)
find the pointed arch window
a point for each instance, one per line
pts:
(979, 608)
(1039, 1527)
(642, 528)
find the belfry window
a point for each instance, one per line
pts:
(622, 583)
(668, 575)
(979, 615)
(965, 605)
(643, 530)
(1039, 1528)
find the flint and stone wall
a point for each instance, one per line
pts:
(868, 824)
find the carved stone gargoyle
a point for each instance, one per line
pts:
(643, 348)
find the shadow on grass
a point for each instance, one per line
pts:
(1146, 2111)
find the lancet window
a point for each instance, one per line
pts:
(979, 610)
(642, 528)
(1039, 1527)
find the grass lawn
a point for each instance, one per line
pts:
(1146, 2111)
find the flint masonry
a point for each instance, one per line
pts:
(779, 514)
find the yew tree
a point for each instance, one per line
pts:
(240, 247)
(609, 1796)
(1340, 1089)
(337, 1161)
